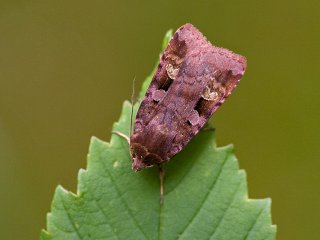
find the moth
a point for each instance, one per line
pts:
(192, 80)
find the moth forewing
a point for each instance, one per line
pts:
(191, 81)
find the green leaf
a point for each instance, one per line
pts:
(205, 195)
(147, 81)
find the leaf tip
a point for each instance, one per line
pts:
(44, 235)
(94, 139)
(61, 192)
(167, 38)
(228, 148)
(81, 180)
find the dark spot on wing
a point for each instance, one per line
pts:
(166, 84)
(200, 106)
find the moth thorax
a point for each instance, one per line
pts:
(142, 158)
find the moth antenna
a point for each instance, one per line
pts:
(127, 138)
(132, 100)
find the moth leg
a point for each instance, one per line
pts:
(122, 135)
(161, 176)
(208, 127)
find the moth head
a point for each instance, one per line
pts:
(142, 158)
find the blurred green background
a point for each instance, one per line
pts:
(67, 66)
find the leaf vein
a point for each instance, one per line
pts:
(106, 217)
(225, 213)
(253, 225)
(125, 203)
(71, 220)
(183, 177)
(160, 223)
(206, 197)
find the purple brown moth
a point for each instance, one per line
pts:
(192, 80)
